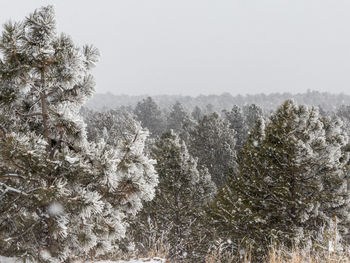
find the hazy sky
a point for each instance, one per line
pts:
(208, 46)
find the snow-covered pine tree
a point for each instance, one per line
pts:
(252, 113)
(150, 116)
(115, 127)
(178, 117)
(209, 109)
(213, 142)
(180, 121)
(291, 182)
(61, 196)
(237, 122)
(343, 112)
(182, 192)
(197, 114)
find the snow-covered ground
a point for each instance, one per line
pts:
(141, 260)
(6, 260)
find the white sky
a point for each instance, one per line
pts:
(196, 47)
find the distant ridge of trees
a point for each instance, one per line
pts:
(327, 101)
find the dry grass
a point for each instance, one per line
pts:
(282, 256)
(217, 256)
(159, 249)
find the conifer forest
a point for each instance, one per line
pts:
(92, 177)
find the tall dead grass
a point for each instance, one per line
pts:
(299, 256)
(278, 255)
(159, 249)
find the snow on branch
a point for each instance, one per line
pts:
(12, 189)
(12, 175)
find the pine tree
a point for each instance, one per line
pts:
(61, 196)
(237, 123)
(150, 116)
(213, 142)
(181, 122)
(197, 114)
(252, 114)
(178, 117)
(343, 112)
(291, 182)
(182, 192)
(209, 109)
(115, 127)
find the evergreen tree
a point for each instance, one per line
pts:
(61, 196)
(115, 127)
(209, 109)
(181, 122)
(291, 182)
(197, 114)
(252, 114)
(237, 123)
(182, 192)
(178, 117)
(343, 112)
(150, 116)
(213, 142)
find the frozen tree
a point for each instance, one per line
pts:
(290, 184)
(213, 142)
(115, 127)
(61, 196)
(181, 122)
(209, 109)
(178, 117)
(150, 116)
(242, 121)
(182, 192)
(237, 123)
(252, 114)
(343, 112)
(197, 114)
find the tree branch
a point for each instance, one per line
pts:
(29, 115)
(11, 189)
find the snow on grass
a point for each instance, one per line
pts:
(140, 260)
(8, 260)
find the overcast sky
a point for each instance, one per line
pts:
(197, 47)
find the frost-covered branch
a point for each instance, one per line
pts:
(29, 115)
(16, 176)
(12, 189)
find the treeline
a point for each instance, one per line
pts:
(327, 101)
